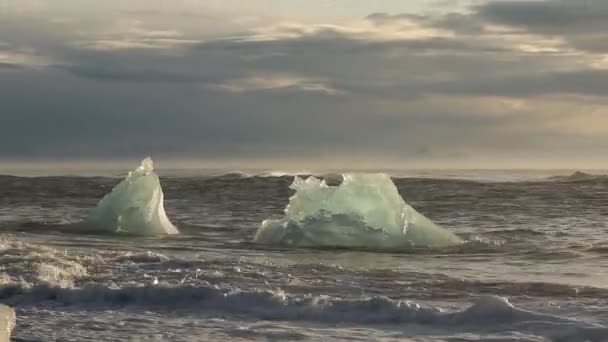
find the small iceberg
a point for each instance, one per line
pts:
(364, 211)
(7, 322)
(135, 206)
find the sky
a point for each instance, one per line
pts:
(315, 83)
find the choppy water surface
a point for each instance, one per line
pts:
(540, 242)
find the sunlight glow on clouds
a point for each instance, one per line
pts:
(458, 79)
(277, 81)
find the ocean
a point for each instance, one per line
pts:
(533, 265)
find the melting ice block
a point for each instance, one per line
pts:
(135, 206)
(364, 211)
(7, 322)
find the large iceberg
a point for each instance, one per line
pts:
(135, 206)
(364, 211)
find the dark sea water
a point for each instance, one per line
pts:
(539, 241)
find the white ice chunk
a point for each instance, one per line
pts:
(365, 210)
(135, 206)
(7, 322)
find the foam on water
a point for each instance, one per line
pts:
(30, 265)
(365, 210)
(135, 206)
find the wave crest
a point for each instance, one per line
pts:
(487, 311)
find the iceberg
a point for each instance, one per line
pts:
(364, 211)
(135, 206)
(7, 322)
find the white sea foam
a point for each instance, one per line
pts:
(29, 265)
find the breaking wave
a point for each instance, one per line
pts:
(487, 311)
(30, 265)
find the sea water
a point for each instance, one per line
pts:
(531, 263)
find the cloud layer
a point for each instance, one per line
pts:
(499, 80)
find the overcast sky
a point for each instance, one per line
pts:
(388, 83)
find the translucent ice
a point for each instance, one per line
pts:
(365, 210)
(135, 206)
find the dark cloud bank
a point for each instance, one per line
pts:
(482, 84)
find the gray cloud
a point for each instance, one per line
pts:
(377, 89)
(452, 21)
(584, 24)
(4, 65)
(553, 16)
(133, 74)
(581, 82)
(384, 18)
